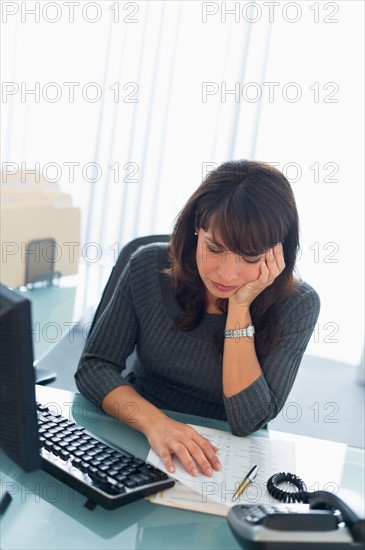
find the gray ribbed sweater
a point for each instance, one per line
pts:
(182, 371)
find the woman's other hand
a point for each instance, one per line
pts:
(168, 437)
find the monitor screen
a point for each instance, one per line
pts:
(18, 417)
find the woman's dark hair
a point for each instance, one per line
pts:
(252, 207)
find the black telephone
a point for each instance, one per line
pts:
(325, 523)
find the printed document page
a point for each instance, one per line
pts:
(237, 456)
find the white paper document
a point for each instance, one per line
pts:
(181, 496)
(237, 456)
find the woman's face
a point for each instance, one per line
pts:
(223, 272)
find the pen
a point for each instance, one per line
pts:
(246, 480)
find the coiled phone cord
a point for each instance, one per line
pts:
(301, 495)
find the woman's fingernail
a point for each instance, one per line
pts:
(218, 466)
(209, 472)
(171, 469)
(194, 472)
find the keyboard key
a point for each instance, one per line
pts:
(64, 454)
(145, 478)
(103, 456)
(71, 448)
(85, 447)
(48, 425)
(101, 446)
(129, 470)
(144, 470)
(56, 450)
(109, 462)
(65, 438)
(66, 433)
(87, 458)
(55, 419)
(109, 451)
(94, 452)
(135, 463)
(99, 476)
(71, 427)
(43, 419)
(84, 466)
(76, 443)
(78, 453)
(119, 465)
(88, 438)
(122, 458)
(130, 484)
(154, 476)
(121, 478)
(102, 467)
(111, 472)
(139, 478)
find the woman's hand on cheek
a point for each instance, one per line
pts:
(269, 269)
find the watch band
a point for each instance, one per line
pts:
(249, 330)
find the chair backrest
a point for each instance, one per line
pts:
(120, 264)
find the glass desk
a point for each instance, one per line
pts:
(47, 514)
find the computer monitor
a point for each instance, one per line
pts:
(18, 417)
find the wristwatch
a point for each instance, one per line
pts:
(249, 330)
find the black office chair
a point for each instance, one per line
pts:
(120, 264)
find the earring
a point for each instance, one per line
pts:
(195, 233)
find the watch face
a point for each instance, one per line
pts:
(250, 330)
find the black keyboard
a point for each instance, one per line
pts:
(104, 473)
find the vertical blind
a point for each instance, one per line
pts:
(168, 111)
(131, 103)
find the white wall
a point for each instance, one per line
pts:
(163, 55)
(322, 135)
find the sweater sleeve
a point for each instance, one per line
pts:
(107, 347)
(253, 407)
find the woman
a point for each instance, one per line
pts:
(219, 321)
